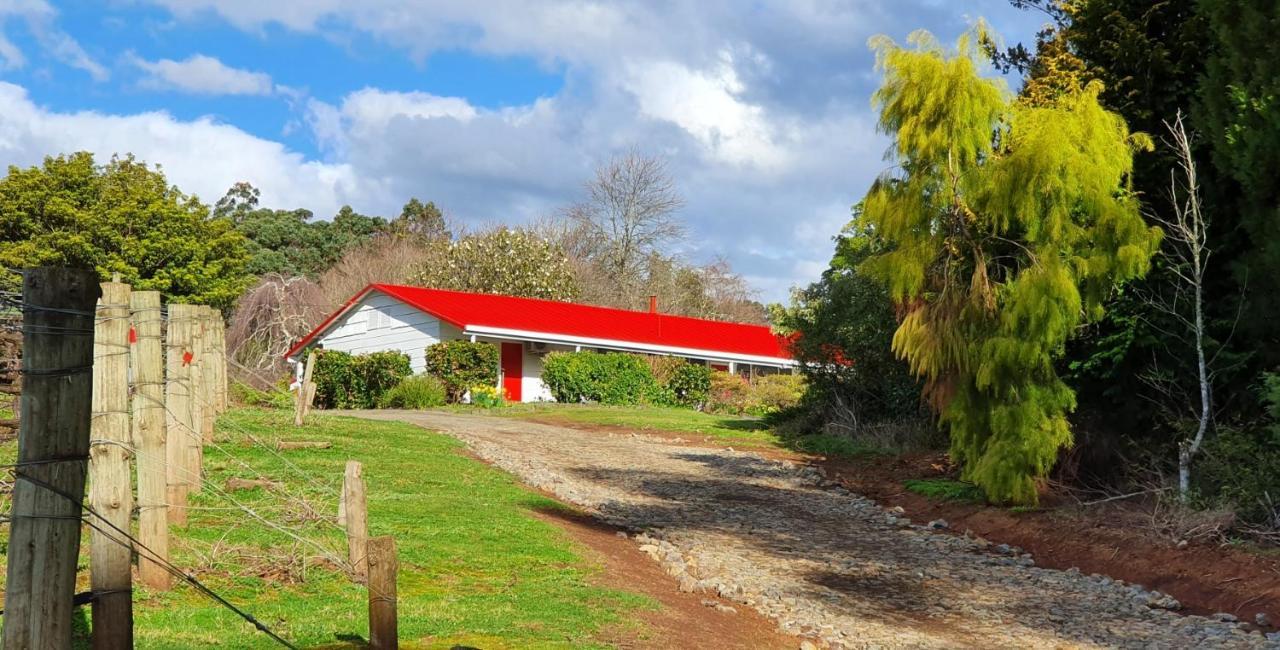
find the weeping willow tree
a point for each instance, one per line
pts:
(1007, 226)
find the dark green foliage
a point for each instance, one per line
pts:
(344, 381)
(1240, 121)
(944, 489)
(421, 220)
(290, 242)
(836, 446)
(461, 365)
(416, 392)
(122, 217)
(843, 326)
(1241, 465)
(613, 378)
(688, 385)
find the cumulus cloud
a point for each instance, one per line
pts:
(761, 110)
(202, 156)
(40, 19)
(201, 75)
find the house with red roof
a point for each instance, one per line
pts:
(386, 317)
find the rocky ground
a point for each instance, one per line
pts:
(831, 567)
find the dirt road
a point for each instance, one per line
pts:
(830, 567)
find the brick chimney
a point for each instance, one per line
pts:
(653, 304)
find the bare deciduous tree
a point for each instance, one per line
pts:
(268, 320)
(628, 215)
(1187, 251)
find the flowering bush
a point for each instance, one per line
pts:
(502, 261)
(488, 396)
(728, 393)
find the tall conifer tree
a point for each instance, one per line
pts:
(1007, 226)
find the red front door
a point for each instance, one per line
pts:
(512, 369)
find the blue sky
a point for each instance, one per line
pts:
(497, 110)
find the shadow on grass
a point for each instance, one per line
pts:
(743, 424)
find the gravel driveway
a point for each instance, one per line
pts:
(829, 566)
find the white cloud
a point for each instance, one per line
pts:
(760, 108)
(201, 75)
(708, 105)
(39, 18)
(201, 156)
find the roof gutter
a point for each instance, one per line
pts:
(627, 346)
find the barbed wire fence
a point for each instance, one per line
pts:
(185, 387)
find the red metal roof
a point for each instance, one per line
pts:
(568, 319)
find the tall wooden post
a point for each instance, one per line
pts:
(383, 566)
(300, 410)
(357, 519)
(195, 384)
(208, 374)
(53, 448)
(220, 330)
(179, 433)
(110, 493)
(149, 436)
(309, 386)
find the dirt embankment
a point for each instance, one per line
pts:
(1108, 539)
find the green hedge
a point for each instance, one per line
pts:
(459, 365)
(688, 384)
(416, 392)
(606, 378)
(344, 381)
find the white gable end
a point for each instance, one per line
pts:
(380, 323)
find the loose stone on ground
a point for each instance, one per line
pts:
(829, 566)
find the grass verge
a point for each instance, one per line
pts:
(476, 569)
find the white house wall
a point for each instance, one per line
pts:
(380, 323)
(532, 387)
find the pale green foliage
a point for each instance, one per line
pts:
(502, 261)
(1006, 228)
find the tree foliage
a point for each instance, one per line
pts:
(290, 242)
(1006, 227)
(122, 217)
(1239, 113)
(423, 220)
(502, 261)
(463, 365)
(841, 329)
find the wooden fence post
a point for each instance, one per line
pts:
(223, 385)
(53, 447)
(110, 493)
(209, 375)
(357, 519)
(309, 386)
(177, 398)
(383, 567)
(149, 436)
(301, 406)
(195, 402)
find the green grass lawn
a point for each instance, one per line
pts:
(476, 568)
(728, 430)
